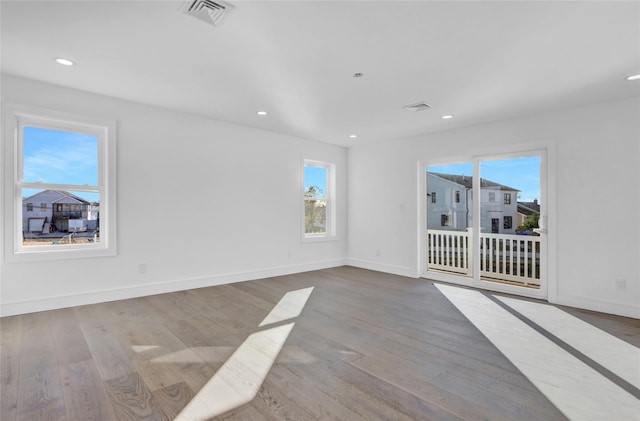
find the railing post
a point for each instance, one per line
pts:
(469, 253)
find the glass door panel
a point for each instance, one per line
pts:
(510, 247)
(449, 204)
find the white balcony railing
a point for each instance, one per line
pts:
(504, 257)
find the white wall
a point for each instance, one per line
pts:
(171, 165)
(178, 170)
(596, 222)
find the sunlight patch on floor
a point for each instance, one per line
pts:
(576, 389)
(239, 379)
(208, 354)
(143, 348)
(237, 382)
(616, 355)
(290, 306)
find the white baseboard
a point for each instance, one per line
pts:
(576, 302)
(72, 300)
(380, 267)
(600, 306)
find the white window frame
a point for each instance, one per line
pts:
(16, 117)
(330, 233)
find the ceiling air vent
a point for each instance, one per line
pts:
(420, 106)
(211, 12)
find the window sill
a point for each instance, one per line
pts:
(319, 238)
(27, 256)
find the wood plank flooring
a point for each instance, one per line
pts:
(367, 346)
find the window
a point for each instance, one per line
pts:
(492, 196)
(433, 197)
(444, 220)
(319, 203)
(457, 196)
(507, 198)
(66, 163)
(507, 222)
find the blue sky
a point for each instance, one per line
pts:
(58, 157)
(520, 173)
(315, 176)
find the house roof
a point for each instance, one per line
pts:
(467, 181)
(528, 208)
(55, 196)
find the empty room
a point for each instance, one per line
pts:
(320, 210)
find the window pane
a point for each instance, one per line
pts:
(509, 251)
(315, 181)
(449, 218)
(63, 217)
(315, 216)
(60, 157)
(315, 199)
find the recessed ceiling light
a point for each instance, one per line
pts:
(262, 113)
(353, 136)
(446, 117)
(64, 61)
(634, 77)
(357, 75)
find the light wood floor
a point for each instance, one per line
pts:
(367, 346)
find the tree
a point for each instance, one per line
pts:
(530, 222)
(315, 210)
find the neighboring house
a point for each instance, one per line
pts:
(526, 209)
(450, 204)
(56, 210)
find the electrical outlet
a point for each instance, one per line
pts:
(621, 284)
(377, 252)
(142, 268)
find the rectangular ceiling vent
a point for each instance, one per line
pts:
(420, 106)
(211, 12)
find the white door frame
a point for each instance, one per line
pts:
(548, 281)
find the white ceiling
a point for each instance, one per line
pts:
(479, 60)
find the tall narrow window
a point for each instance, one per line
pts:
(66, 164)
(507, 198)
(319, 207)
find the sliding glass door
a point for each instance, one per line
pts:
(483, 222)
